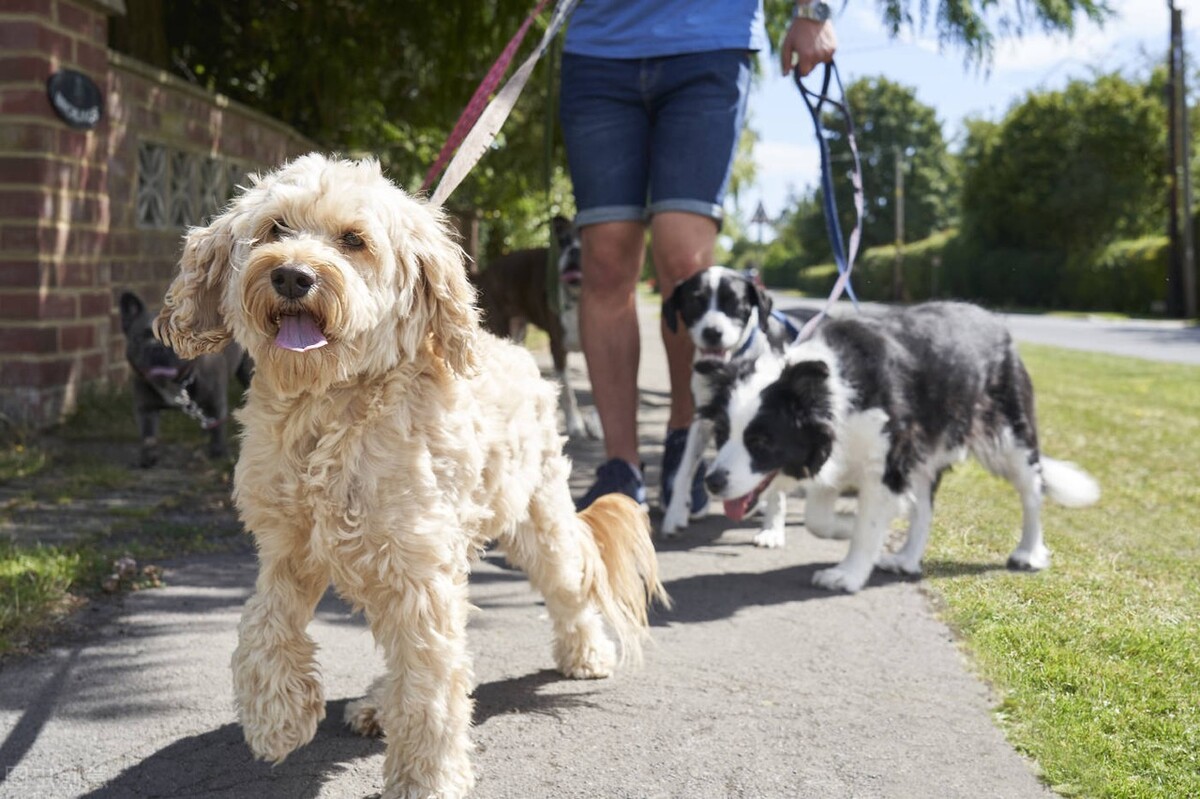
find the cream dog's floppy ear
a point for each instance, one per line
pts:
(448, 295)
(191, 322)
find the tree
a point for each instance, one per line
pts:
(1068, 171)
(371, 76)
(890, 120)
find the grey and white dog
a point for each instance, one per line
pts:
(161, 380)
(883, 403)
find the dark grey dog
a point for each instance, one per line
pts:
(162, 380)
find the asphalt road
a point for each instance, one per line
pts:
(1170, 341)
(756, 686)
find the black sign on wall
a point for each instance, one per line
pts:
(75, 98)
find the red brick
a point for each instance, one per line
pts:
(76, 144)
(94, 303)
(36, 374)
(27, 36)
(26, 203)
(21, 68)
(25, 102)
(19, 239)
(20, 273)
(91, 59)
(77, 337)
(30, 137)
(42, 8)
(33, 305)
(29, 170)
(92, 366)
(75, 275)
(78, 20)
(28, 340)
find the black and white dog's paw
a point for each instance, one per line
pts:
(838, 578)
(893, 562)
(1029, 560)
(770, 538)
(675, 520)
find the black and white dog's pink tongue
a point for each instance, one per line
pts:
(299, 333)
(736, 509)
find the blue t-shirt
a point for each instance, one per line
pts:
(651, 28)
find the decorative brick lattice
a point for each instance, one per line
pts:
(178, 189)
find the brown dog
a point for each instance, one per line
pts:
(514, 292)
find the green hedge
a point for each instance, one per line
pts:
(1126, 276)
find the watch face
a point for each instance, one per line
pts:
(818, 11)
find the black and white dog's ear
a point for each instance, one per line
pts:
(131, 306)
(799, 376)
(564, 231)
(762, 301)
(670, 310)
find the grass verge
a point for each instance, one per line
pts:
(1097, 660)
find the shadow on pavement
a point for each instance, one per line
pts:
(218, 764)
(522, 695)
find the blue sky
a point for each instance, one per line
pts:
(787, 154)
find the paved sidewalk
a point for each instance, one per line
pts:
(756, 686)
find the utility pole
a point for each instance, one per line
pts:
(898, 264)
(1181, 270)
(760, 218)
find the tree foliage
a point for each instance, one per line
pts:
(890, 121)
(373, 76)
(971, 25)
(1069, 171)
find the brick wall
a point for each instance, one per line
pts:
(85, 215)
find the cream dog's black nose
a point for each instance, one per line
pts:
(292, 281)
(716, 481)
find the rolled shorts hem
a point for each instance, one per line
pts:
(699, 207)
(610, 213)
(633, 213)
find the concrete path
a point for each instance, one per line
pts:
(756, 686)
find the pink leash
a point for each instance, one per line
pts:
(474, 109)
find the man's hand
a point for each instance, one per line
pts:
(807, 44)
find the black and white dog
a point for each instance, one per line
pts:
(730, 321)
(161, 380)
(884, 403)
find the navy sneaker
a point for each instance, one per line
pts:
(673, 449)
(615, 477)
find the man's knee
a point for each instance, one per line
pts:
(683, 245)
(612, 258)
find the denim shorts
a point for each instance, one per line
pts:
(653, 134)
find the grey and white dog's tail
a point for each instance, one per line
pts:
(1067, 484)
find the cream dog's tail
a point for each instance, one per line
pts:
(623, 579)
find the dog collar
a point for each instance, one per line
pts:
(793, 332)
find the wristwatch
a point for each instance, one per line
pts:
(817, 12)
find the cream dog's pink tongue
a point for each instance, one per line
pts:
(299, 333)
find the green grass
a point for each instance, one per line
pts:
(1097, 660)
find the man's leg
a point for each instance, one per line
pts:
(683, 245)
(612, 261)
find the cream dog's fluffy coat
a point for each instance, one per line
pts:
(387, 440)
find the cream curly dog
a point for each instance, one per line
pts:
(387, 440)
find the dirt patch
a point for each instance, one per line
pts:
(93, 491)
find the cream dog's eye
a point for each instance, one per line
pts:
(279, 229)
(352, 240)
